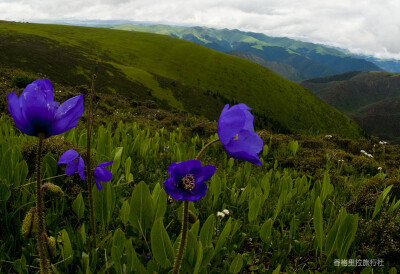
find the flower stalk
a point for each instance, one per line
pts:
(88, 162)
(42, 238)
(184, 231)
(182, 244)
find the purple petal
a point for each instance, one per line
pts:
(67, 115)
(198, 193)
(230, 122)
(81, 168)
(184, 168)
(45, 87)
(36, 109)
(102, 174)
(246, 147)
(72, 167)
(203, 174)
(105, 164)
(98, 184)
(68, 156)
(175, 192)
(14, 108)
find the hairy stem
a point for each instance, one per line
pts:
(89, 162)
(204, 148)
(182, 244)
(44, 262)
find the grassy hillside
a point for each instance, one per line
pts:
(176, 74)
(282, 69)
(370, 98)
(354, 90)
(310, 60)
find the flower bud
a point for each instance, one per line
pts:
(51, 246)
(192, 217)
(52, 191)
(30, 224)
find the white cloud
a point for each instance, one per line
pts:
(367, 26)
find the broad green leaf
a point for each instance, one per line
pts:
(223, 236)
(279, 206)
(161, 205)
(346, 234)
(380, 200)
(265, 150)
(65, 246)
(327, 187)
(161, 244)
(117, 160)
(254, 209)
(199, 258)
(104, 203)
(237, 264)
(78, 206)
(133, 262)
(142, 208)
(117, 248)
(265, 231)
(125, 212)
(207, 231)
(277, 270)
(331, 239)
(5, 193)
(128, 175)
(318, 223)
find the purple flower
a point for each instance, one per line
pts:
(186, 181)
(101, 174)
(74, 163)
(235, 131)
(35, 113)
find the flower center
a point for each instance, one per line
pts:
(187, 182)
(236, 137)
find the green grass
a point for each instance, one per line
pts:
(150, 66)
(272, 221)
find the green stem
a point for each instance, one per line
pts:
(182, 244)
(88, 163)
(204, 148)
(41, 235)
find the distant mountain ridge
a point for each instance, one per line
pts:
(310, 60)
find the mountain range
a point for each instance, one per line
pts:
(175, 74)
(294, 60)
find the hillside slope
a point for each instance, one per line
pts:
(284, 70)
(370, 98)
(311, 60)
(351, 91)
(176, 74)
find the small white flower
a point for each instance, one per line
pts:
(328, 136)
(380, 168)
(220, 215)
(242, 189)
(225, 211)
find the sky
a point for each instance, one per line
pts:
(370, 27)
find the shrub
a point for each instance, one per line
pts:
(21, 80)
